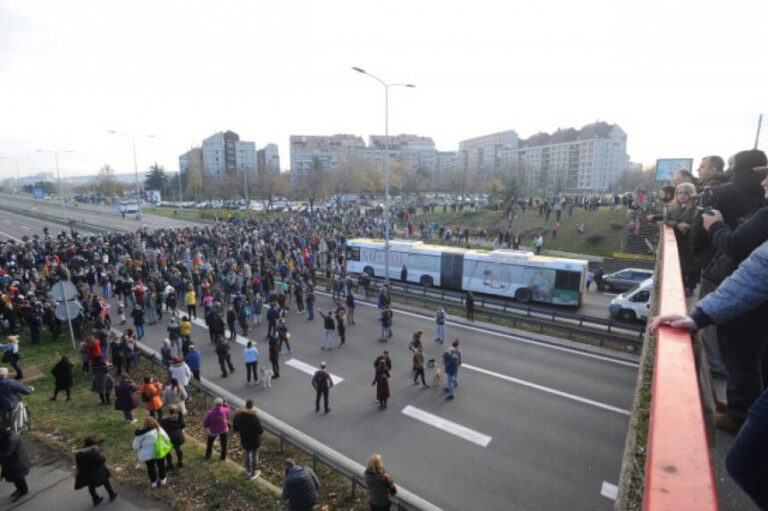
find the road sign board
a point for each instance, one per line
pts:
(61, 312)
(63, 291)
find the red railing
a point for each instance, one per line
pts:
(678, 471)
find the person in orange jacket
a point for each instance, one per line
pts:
(149, 392)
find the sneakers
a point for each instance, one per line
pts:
(256, 475)
(724, 422)
(162, 482)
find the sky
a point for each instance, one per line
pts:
(682, 78)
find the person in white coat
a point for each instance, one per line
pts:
(181, 371)
(144, 440)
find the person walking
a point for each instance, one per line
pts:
(322, 382)
(185, 330)
(225, 358)
(14, 462)
(341, 316)
(418, 366)
(386, 324)
(145, 442)
(350, 307)
(381, 380)
(150, 392)
(125, 397)
(194, 362)
(300, 488)
(329, 328)
(310, 303)
(469, 304)
(251, 359)
(63, 377)
(274, 355)
(283, 335)
(380, 485)
(166, 353)
(457, 353)
(138, 321)
(91, 470)
(215, 421)
(102, 381)
(248, 425)
(450, 367)
(440, 319)
(173, 424)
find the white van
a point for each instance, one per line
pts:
(633, 304)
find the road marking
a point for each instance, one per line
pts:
(609, 490)
(25, 227)
(9, 236)
(447, 426)
(238, 338)
(509, 336)
(546, 389)
(310, 369)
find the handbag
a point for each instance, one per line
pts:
(162, 446)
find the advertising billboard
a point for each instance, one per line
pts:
(667, 167)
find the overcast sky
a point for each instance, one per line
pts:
(683, 79)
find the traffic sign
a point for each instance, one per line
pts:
(63, 291)
(61, 311)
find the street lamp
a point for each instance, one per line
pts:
(386, 161)
(135, 165)
(56, 159)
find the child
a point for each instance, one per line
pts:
(121, 312)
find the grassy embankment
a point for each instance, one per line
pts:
(201, 484)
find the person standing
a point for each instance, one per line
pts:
(181, 372)
(274, 355)
(350, 307)
(450, 367)
(457, 353)
(145, 443)
(14, 462)
(173, 424)
(440, 318)
(215, 422)
(166, 353)
(386, 324)
(174, 335)
(102, 382)
(193, 360)
(322, 382)
(11, 355)
(283, 335)
(185, 330)
(301, 487)
(340, 317)
(380, 484)
(469, 304)
(125, 398)
(381, 380)
(329, 328)
(599, 279)
(418, 366)
(138, 321)
(248, 425)
(310, 302)
(150, 392)
(92, 471)
(190, 299)
(63, 377)
(404, 274)
(251, 359)
(175, 395)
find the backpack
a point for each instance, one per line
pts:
(449, 361)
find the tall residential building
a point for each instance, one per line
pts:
(268, 159)
(589, 159)
(480, 157)
(414, 152)
(319, 153)
(223, 153)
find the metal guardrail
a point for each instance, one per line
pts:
(678, 470)
(404, 500)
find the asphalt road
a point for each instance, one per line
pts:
(544, 426)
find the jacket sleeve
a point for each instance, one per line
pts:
(743, 291)
(748, 236)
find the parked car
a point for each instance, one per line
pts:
(633, 304)
(625, 279)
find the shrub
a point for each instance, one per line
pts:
(595, 239)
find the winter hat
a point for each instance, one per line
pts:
(218, 401)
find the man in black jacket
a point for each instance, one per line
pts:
(300, 487)
(247, 423)
(91, 470)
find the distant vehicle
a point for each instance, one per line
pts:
(625, 279)
(520, 275)
(633, 304)
(127, 206)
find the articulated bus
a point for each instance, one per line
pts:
(509, 273)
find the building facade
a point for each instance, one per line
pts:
(320, 153)
(268, 159)
(481, 157)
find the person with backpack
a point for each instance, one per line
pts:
(440, 317)
(322, 383)
(150, 392)
(450, 367)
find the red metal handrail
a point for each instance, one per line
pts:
(678, 470)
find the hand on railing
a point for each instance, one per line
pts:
(673, 320)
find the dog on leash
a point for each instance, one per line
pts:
(438, 377)
(266, 377)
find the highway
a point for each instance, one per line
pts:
(534, 426)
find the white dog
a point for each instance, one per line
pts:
(266, 377)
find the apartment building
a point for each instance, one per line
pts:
(480, 157)
(268, 159)
(320, 153)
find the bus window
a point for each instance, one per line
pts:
(568, 280)
(353, 254)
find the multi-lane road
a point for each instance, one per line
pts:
(533, 426)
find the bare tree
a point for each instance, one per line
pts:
(270, 185)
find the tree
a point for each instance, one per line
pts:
(156, 178)
(270, 185)
(106, 184)
(634, 180)
(48, 187)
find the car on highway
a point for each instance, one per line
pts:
(633, 304)
(625, 279)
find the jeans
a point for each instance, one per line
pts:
(251, 461)
(310, 311)
(209, 445)
(441, 333)
(328, 339)
(449, 383)
(324, 393)
(153, 475)
(151, 315)
(139, 330)
(251, 367)
(747, 459)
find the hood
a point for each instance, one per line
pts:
(749, 181)
(142, 431)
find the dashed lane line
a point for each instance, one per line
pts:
(310, 369)
(608, 490)
(448, 426)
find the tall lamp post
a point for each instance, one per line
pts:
(56, 159)
(135, 165)
(386, 161)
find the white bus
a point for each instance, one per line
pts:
(513, 274)
(127, 206)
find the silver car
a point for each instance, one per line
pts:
(625, 279)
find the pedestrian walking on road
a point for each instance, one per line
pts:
(225, 358)
(145, 442)
(450, 366)
(14, 462)
(322, 382)
(457, 352)
(418, 366)
(381, 380)
(251, 359)
(247, 423)
(216, 423)
(283, 335)
(440, 319)
(274, 355)
(92, 470)
(301, 487)
(329, 328)
(469, 304)
(386, 324)
(380, 485)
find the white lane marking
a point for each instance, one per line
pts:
(609, 490)
(239, 338)
(546, 389)
(448, 426)
(9, 236)
(509, 336)
(310, 369)
(25, 227)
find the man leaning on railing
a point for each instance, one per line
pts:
(745, 290)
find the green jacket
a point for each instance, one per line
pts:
(380, 487)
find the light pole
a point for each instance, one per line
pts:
(135, 166)
(386, 161)
(56, 159)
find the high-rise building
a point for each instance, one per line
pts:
(319, 153)
(224, 152)
(480, 157)
(268, 159)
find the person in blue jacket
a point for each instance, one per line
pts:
(194, 361)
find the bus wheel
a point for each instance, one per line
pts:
(523, 295)
(426, 281)
(368, 270)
